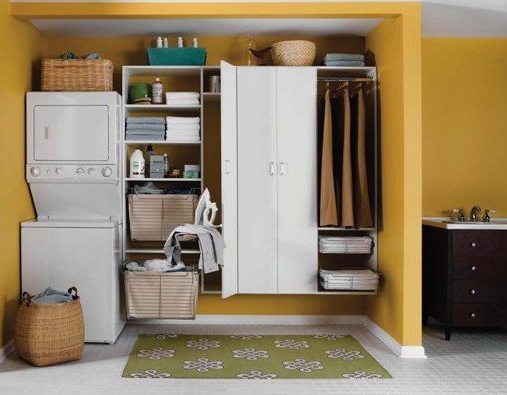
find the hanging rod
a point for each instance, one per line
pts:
(343, 79)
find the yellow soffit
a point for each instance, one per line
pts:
(93, 10)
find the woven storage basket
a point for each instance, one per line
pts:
(46, 334)
(293, 53)
(153, 217)
(77, 75)
(161, 295)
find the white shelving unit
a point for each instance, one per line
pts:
(174, 78)
(338, 261)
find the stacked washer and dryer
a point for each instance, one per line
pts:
(73, 170)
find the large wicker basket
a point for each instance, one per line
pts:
(293, 53)
(171, 295)
(77, 75)
(46, 334)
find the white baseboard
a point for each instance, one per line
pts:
(389, 341)
(205, 319)
(6, 350)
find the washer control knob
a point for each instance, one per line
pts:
(58, 170)
(48, 171)
(91, 170)
(35, 171)
(79, 171)
(106, 172)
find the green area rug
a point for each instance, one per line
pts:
(251, 357)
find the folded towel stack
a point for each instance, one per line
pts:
(345, 244)
(344, 60)
(145, 129)
(183, 129)
(355, 280)
(182, 98)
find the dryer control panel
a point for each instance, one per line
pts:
(85, 173)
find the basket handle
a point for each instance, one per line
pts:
(26, 299)
(73, 292)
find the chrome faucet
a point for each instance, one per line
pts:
(486, 217)
(473, 213)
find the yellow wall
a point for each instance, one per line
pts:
(21, 45)
(465, 124)
(396, 46)
(397, 307)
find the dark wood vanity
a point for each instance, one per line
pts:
(465, 277)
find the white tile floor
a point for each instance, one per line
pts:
(473, 362)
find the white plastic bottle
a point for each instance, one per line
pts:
(137, 164)
(157, 91)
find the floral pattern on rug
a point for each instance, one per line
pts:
(252, 357)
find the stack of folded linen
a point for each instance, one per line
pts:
(345, 244)
(182, 98)
(344, 60)
(183, 129)
(145, 129)
(354, 280)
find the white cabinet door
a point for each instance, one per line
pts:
(269, 180)
(297, 173)
(257, 180)
(229, 179)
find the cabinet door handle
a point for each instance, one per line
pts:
(472, 292)
(283, 168)
(227, 166)
(473, 268)
(272, 168)
(473, 244)
(473, 315)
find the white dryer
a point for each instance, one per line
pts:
(73, 170)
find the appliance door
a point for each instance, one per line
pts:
(72, 133)
(61, 255)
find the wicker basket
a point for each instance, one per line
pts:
(293, 53)
(161, 295)
(153, 217)
(46, 334)
(77, 75)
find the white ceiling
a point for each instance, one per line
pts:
(440, 18)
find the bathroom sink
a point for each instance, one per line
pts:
(447, 223)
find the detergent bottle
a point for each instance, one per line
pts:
(137, 164)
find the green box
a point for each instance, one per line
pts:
(176, 56)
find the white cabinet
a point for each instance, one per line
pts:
(269, 185)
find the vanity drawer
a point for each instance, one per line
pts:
(480, 268)
(479, 291)
(479, 314)
(479, 243)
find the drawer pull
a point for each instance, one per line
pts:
(473, 268)
(473, 244)
(472, 292)
(473, 315)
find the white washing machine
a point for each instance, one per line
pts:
(73, 170)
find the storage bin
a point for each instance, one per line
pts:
(77, 75)
(176, 56)
(46, 334)
(153, 217)
(161, 295)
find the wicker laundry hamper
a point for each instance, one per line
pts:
(46, 334)
(75, 75)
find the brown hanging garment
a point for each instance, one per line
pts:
(328, 213)
(347, 187)
(363, 218)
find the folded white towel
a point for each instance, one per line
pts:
(182, 120)
(182, 102)
(184, 127)
(183, 140)
(182, 95)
